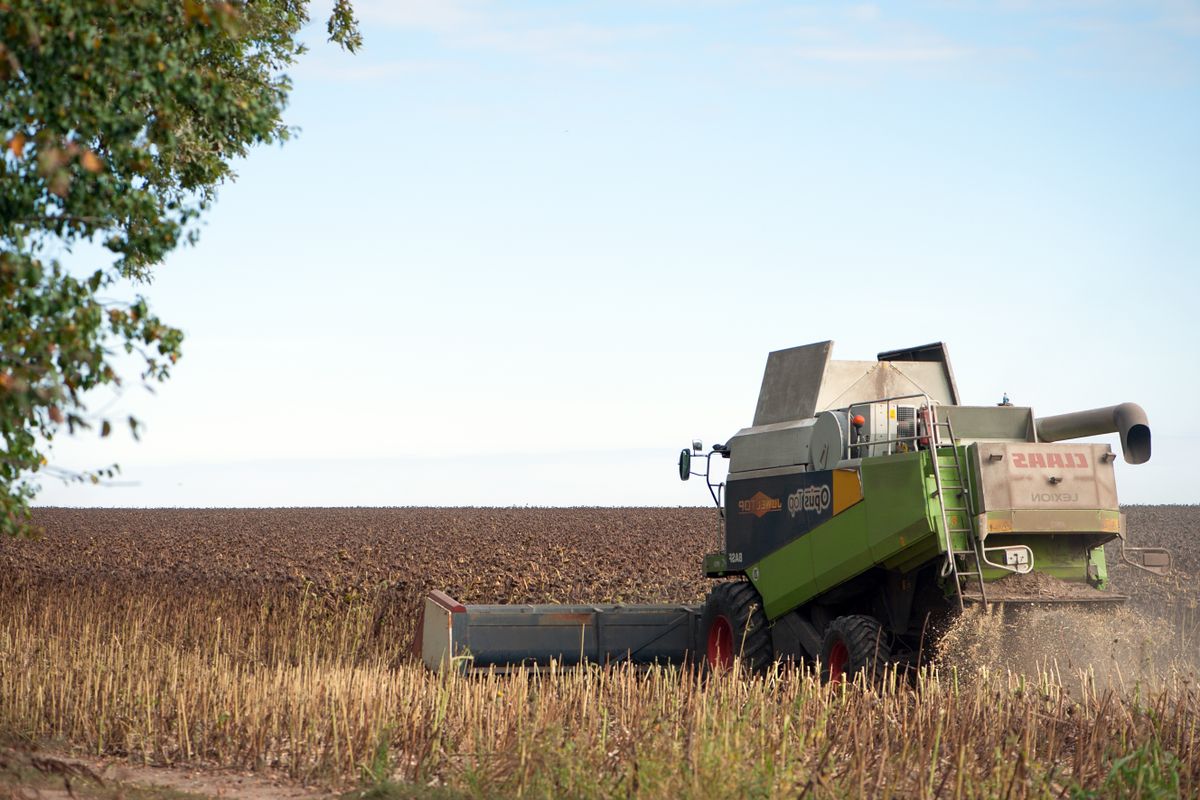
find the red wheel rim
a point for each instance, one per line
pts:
(720, 643)
(839, 656)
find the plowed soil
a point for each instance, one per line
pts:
(393, 555)
(1176, 528)
(479, 555)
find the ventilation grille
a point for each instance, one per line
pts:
(906, 422)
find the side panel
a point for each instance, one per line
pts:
(1046, 476)
(892, 527)
(783, 444)
(1073, 557)
(787, 577)
(899, 522)
(477, 636)
(840, 554)
(1099, 568)
(989, 422)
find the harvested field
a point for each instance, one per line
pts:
(480, 555)
(277, 641)
(565, 554)
(1176, 528)
(530, 554)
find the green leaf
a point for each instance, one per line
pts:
(118, 122)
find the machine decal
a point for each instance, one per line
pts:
(1048, 460)
(810, 499)
(759, 505)
(1054, 497)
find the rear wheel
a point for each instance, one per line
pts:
(733, 626)
(853, 644)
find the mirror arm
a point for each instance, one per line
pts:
(1159, 570)
(715, 489)
(686, 471)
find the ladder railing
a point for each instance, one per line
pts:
(954, 503)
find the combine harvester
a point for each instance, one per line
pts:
(862, 510)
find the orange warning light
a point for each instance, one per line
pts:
(859, 420)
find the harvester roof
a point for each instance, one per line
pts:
(800, 382)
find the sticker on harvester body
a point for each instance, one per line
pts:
(764, 514)
(811, 498)
(1044, 476)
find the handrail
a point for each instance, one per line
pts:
(931, 435)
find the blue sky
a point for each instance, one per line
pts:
(520, 253)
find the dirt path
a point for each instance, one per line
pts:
(51, 776)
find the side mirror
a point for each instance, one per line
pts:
(685, 464)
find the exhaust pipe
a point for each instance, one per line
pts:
(1127, 419)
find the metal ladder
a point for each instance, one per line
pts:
(950, 478)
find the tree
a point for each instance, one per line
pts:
(120, 119)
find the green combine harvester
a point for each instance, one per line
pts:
(862, 510)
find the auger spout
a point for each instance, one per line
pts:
(1127, 419)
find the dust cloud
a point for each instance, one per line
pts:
(1150, 638)
(1108, 646)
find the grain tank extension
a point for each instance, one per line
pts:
(863, 507)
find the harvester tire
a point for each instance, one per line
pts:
(733, 625)
(854, 644)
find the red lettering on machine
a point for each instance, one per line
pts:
(1050, 460)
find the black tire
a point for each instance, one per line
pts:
(733, 625)
(852, 645)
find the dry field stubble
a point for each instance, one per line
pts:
(277, 640)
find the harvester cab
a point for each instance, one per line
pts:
(862, 509)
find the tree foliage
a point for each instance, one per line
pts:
(119, 120)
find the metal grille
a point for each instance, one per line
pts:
(906, 422)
